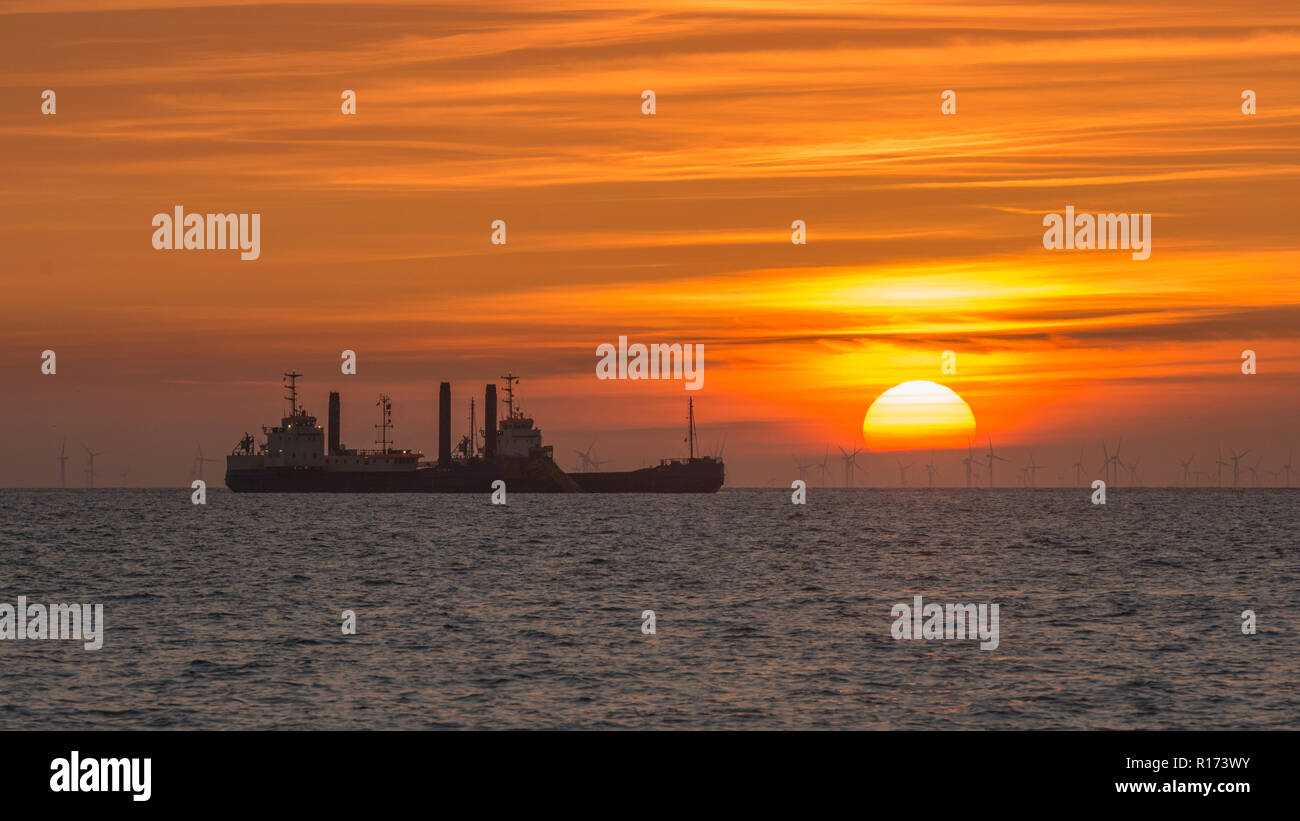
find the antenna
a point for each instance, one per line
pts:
(385, 406)
(690, 423)
(511, 379)
(292, 377)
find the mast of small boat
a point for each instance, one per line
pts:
(690, 421)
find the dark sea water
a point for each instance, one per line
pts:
(769, 615)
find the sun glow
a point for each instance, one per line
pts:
(918, 415)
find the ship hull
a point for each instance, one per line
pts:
(520, 476)
(695, 476)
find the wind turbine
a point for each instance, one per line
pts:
(1113, 460)
(969, 462)
(850, 462)
(1236, 461)
(991, 457)
(1254, 471)
(1222, 464)
(931, 470)
(63, 463)
(585, 456)
(902, 472)
(1033, 469)
(1078, 469)
(803, 469)
(200, 459)
(1286, 469)
(722, 447)
(1186, 465)
(90, 468)
(826, 457)
(1132, 470)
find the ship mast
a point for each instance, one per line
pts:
(292, 377)
(473, 434)
(511, 379)
(385, 420)
(690, 421)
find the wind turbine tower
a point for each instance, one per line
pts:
(199, 460)
(63, 463)
(90, 465)
(991, 456)
(850, 463)
(1033, 469)
(1078, 469)
(1236, 466)
(902, 472)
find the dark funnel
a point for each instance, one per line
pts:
(444, 423)
(333, 447)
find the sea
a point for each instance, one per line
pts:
(766, 614)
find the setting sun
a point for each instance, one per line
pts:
(918, 415)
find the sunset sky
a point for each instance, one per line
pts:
(924, 230)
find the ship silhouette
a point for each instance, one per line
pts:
(299, 457)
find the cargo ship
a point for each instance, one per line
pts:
(299, 457)
(694, 474)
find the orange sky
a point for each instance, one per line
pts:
(924, 231)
